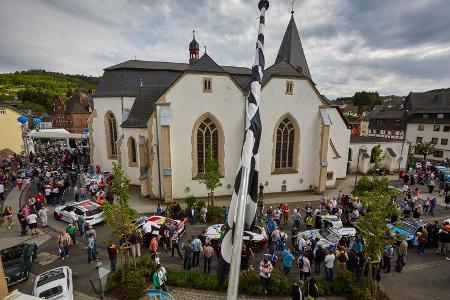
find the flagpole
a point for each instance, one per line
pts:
(247, 167)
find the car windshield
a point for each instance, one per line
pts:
(94, 211)
(50, 293)
(329, 235)
(408, 227)
(50, 276)
(257, 230)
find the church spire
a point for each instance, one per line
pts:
(291, 49)
(193, 50)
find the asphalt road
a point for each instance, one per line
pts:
(424, 277)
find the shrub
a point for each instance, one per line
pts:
(249, 283)
(177, 278)
(215, 214)
(204, 282)
(134, 284)
(190, 200)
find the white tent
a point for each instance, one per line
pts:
(55, 133)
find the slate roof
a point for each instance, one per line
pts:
(281, 68)
(143, 106)
(79, 103)
(291, 49)
(387, 114)
(206, 64)
(432, 101)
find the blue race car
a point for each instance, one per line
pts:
(408, 230)
(445, 171)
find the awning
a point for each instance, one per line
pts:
(57, 133)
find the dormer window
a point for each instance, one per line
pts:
(289, 88)
(207, 85)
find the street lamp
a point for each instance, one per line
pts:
(357, 164)
(159, 168)
(98, 277)
(401, 153)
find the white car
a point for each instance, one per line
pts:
(157, 221)
(257, 237)
(329, 237)
(331, 221)
(54, 284)
(92, 212)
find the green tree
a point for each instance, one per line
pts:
(366, 100)
(120, 214)
(375, 156)
(424, 149)
(211, 177)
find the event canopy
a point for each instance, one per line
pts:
(57, 133)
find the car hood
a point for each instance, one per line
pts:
(213, 231)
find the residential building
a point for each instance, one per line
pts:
(178, 110)
(389, 124)
(10, 129)
(74, 113)
(429, 121)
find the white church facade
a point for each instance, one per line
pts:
(158, 119)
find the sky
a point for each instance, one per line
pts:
(389, 46)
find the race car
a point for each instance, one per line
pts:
(329, 237)
(157, 221)
(408, 230)
(256, 238)
(92, 212)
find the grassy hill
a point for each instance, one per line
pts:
(37, 89)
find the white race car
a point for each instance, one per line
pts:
(157, 221)
(54, 284)
(256, 238)
(329, 237)
(331, 221)
(92, 212)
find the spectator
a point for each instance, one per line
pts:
(265, 268)
(319, 257)
(188, 253)
(288, 258)
(208, 253)
(112, 254)
(196, 246)
(23, 223)
(329, 265)
(71, 230)
(312, 291)
(154, 247)
(305, 267)
(64, 242)
(43, 216)
(402, 251)
(388, 253)
(175, 243)
(32, 223)
(297, 290)
(91, 248)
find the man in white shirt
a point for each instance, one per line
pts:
(43, 216)
(147, 233)
(302, 244)
(73, 218)
(32, 223)
(329, 265)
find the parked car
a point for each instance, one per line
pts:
(54, 284)
(92, 212)
(17, 261)
(158, 221)
(331, 221)
(407, 229)
(329, 237)
(256, 238)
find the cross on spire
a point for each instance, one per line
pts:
(292, 6)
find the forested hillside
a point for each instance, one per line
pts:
(37, 89)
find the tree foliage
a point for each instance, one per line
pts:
(424, 149)
(376, 156)
(211, 176)
(120, 214)
(366, 100)
(375, 196)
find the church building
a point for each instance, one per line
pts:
(158, 120)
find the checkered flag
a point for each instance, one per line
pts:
(250, 149)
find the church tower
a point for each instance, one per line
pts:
(193, 50)
(291, 49)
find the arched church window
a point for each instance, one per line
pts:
(111, 134)
(207, 135)
(132, 152)
(285, 145)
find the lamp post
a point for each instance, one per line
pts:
(357, 163)
(401, 153)
(159, 168)
(98, 277)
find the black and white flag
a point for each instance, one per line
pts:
(250, 148)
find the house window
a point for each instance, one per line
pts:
(289, 88)
(378, 131)
(438, 153)
(330, 175)
(444, 141)
(419, 139)
(207, 135)
(446, 128)
(379, 121)
(284, 147)
(385, 132)
(207, 87)
(436, 127)
(434, 141)
(425, 116)
(132, 152)
(397, 122)
(111, 134)
(440, 116)
(2, 111)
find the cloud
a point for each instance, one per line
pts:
(390, 46)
